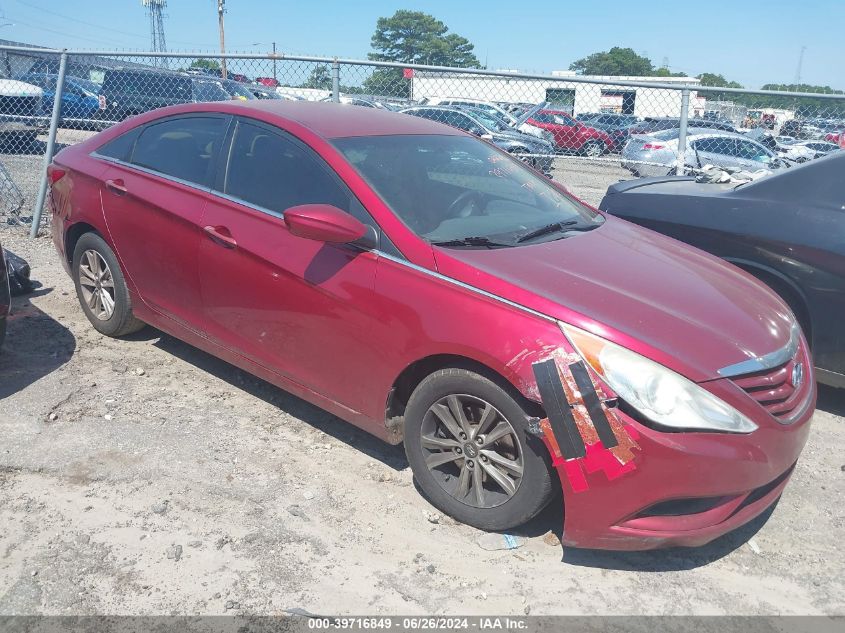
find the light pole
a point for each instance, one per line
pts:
(274, 57)
(221, 9)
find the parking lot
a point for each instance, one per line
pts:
(141, 476)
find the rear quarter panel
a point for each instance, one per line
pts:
(75, 197)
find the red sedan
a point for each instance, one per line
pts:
(429, 288)
(836, 137)
(572, 135)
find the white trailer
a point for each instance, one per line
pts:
(575, 97)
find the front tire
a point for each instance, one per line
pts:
(101, 287)
(467, 441)
(594, 149)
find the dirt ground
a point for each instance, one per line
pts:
(141, 476)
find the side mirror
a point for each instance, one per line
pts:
(323, 223)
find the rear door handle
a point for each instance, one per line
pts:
(221, 235)
(117, 187)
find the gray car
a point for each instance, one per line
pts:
(503, 137)
(657, 154)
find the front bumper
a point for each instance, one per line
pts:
(656, 489)
(686, 490)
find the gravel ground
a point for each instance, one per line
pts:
(141, 476)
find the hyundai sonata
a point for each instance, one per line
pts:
(426, 286)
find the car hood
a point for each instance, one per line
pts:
(521, 137)
(673, 303)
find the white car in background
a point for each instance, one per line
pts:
(802, 151)
(20, 112)
(657, 154)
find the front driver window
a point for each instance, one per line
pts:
(274, 172)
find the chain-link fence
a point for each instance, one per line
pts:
(562, 124)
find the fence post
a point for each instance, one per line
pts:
(682, 135)
(335, 81)
(51, 143)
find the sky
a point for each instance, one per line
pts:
(750, 41)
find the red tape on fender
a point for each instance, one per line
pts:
(584, 398)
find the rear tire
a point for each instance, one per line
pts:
(497, 476)
(101, 287)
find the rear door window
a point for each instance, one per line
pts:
(185, 148)
(121, 147)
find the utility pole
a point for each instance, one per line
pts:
(221, 9)
(155, 9)
(274, 62)
(798, 70)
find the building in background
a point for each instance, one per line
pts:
(573, 97)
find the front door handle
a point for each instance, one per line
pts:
(117, 187)
(221, 236)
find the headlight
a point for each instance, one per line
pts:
(656, 392)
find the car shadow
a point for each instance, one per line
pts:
(389, 455)
(831, 400)
(35, 346)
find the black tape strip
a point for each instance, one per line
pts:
(557, 408)
(591, 401)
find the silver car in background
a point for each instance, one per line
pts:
(657, 154)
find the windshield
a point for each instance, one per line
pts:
(667, 135)
(490, 121)
(448, 188)
(89, 86)
(238, 90)
(209, 91)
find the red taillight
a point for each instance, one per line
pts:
(55, 174)
(653, 146)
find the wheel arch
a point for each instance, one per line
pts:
(76, 231)
(414, 373)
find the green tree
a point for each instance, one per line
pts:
(414, 37)
(616, 61)
(665, 72)
(205, 64)
(320, 77)
(719, 81)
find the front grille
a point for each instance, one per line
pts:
(774, 390)
(19, 106)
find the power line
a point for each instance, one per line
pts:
(97, 26)
(39, 27)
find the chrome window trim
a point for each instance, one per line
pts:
(187, 183)
(767, 361)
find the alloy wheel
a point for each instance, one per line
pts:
(472, 450)
(593, 150)
(96, 284)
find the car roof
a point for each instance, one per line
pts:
(330, 120)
